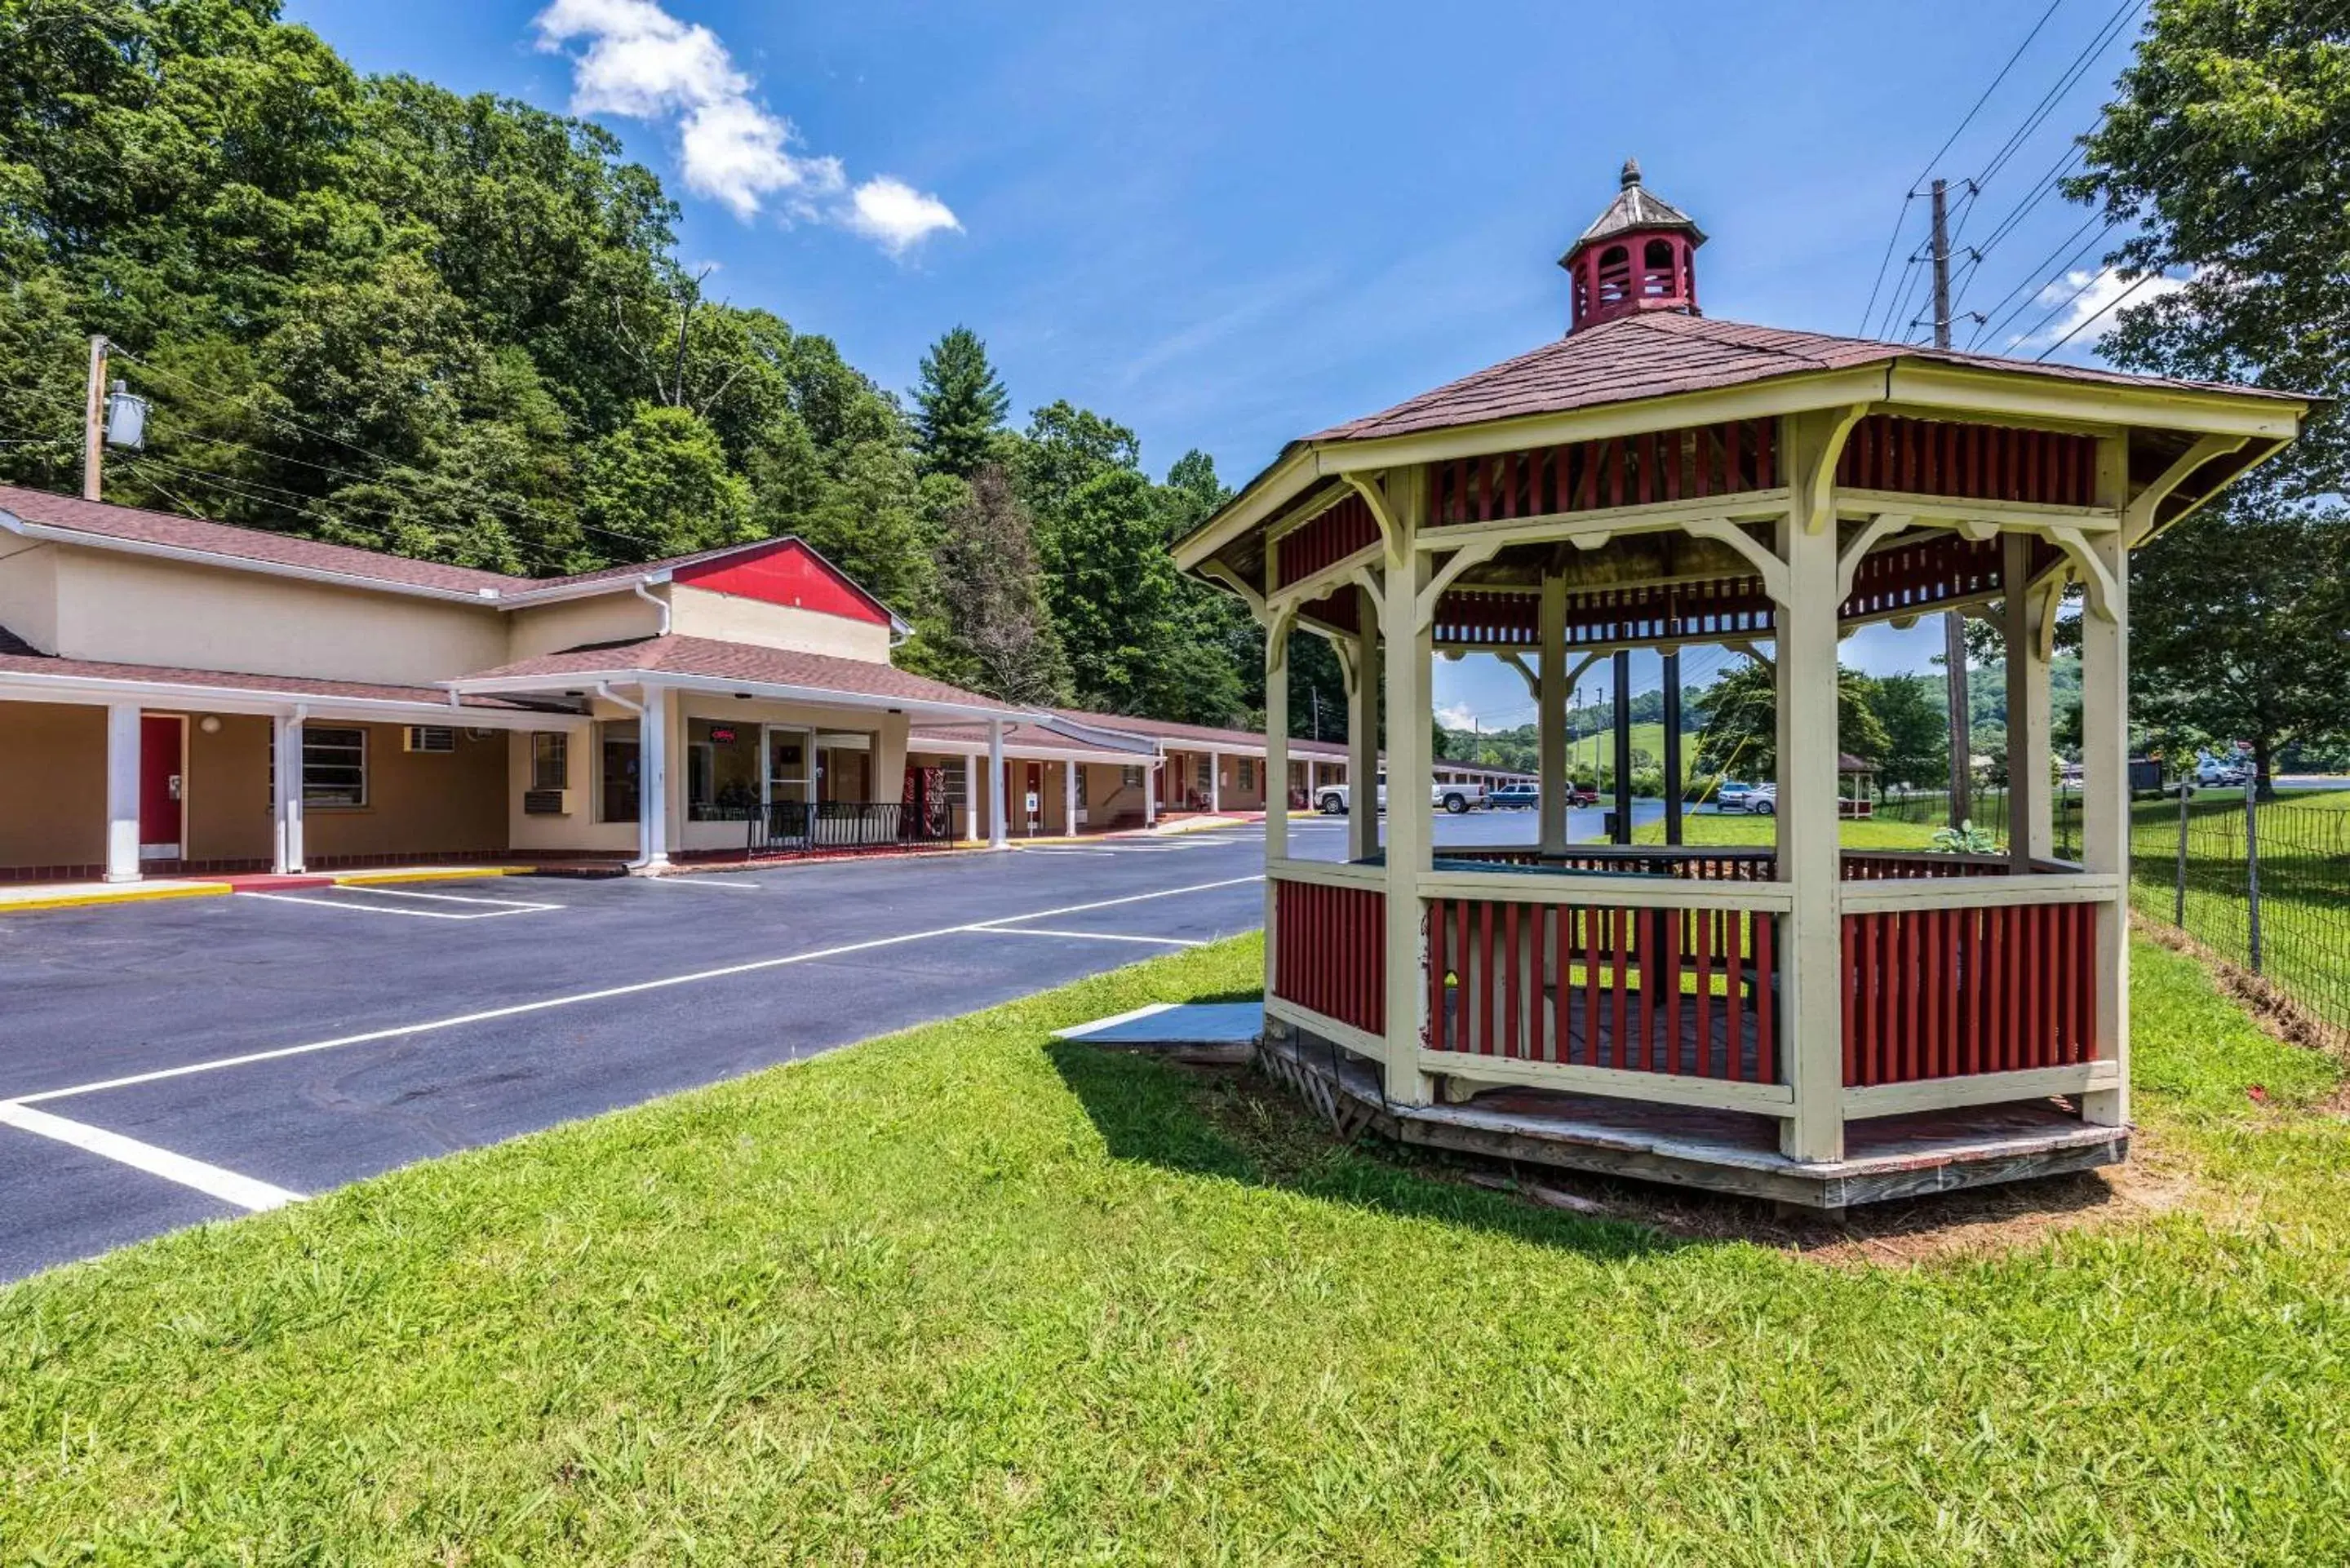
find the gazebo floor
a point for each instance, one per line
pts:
(1725, 1152)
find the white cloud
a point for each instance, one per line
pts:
(893, 213)
(1457, 716)
(632, 59)
(2083, 295)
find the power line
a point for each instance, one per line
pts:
(487, 498)
(1902, 217)
(2084, 321)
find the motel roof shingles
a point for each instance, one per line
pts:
(745, 662)
(1661, 354)
(105, 521)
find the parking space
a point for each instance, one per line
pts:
(163, 1064)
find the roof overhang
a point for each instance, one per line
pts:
(1916, 385)
(582, 681)
(25, 685)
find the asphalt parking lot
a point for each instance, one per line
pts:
(166, 1063)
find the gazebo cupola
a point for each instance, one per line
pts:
(1640, 254)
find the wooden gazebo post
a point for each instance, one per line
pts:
(1405, 618)
(1810, 861)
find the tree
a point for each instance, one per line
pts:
(960, 404)
(1111, 585)
(999, 638)
(1909, 709)
(2240, 629)
(660, 486)
(1741, 735)
(2227, 150)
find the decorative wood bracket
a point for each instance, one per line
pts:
(1374, 591)
(1468, 556)
(1278, 624)
(1233, 580)
(1375, 497)
(1517, 661)
(2045, 599)
(1764, 560)
(1816, 487)
(1751, 651)
(2138, 517)
(2099, 582)
(1882, 526)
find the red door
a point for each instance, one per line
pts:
(161, 785)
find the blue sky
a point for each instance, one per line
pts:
(1226, 224)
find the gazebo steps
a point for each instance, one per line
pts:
(1723, 1151)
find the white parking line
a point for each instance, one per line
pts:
(606, 993)
(727, 881)
(376, 908)
(210, 1179)
(375, 892)
(1085, 936)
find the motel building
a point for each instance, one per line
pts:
(1794, 1020)
(183, 697)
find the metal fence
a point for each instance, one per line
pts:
(785, 826)
(2265, 885)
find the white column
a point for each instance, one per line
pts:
(287, 847)
(1411, 707)
(2105, 785)
(122, 777)
(1363, 735)
(1215, 780)
(1069, 795)
(999, 832)
(1811, 948)
(1313, 782)
(1150, 789)
(1550, 703)
(652, 777)
(2029, 837)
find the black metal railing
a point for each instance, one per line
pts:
(784, 826)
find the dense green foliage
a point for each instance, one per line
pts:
(370, 310)
(2229, 150)
(1740, 740)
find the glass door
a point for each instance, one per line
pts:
(788, 783)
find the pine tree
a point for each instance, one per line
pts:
(960, 405)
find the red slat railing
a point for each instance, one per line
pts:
(1951, 992)
(1330, 951)
(1692, 992)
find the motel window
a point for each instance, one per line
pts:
(618, 796)
(550, 759)
(722, 770)
(1204, 770)
(955, 778)
(1081, 770)
(1129, 778)
(1248, 772)
(334, 765)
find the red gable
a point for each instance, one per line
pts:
(786, 572)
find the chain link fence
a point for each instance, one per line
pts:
(2264, 885)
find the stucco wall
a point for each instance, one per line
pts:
(228, 791)
(1107, 798)
(52, 785)
(570, 623)
(418, 803)
(697, 612)
(137, 610)
(28, 591)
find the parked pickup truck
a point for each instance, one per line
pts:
(1332, 800)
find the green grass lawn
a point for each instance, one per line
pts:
(966, 1294)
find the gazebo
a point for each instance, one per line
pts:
(1796, 1020)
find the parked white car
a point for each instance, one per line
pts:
(1333, 800)
(1761, 800)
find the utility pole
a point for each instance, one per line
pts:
(93, 420)
(1954, 622)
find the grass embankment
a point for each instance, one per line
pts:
(966, 1294)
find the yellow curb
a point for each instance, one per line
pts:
(127, 895)
(447, 873)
